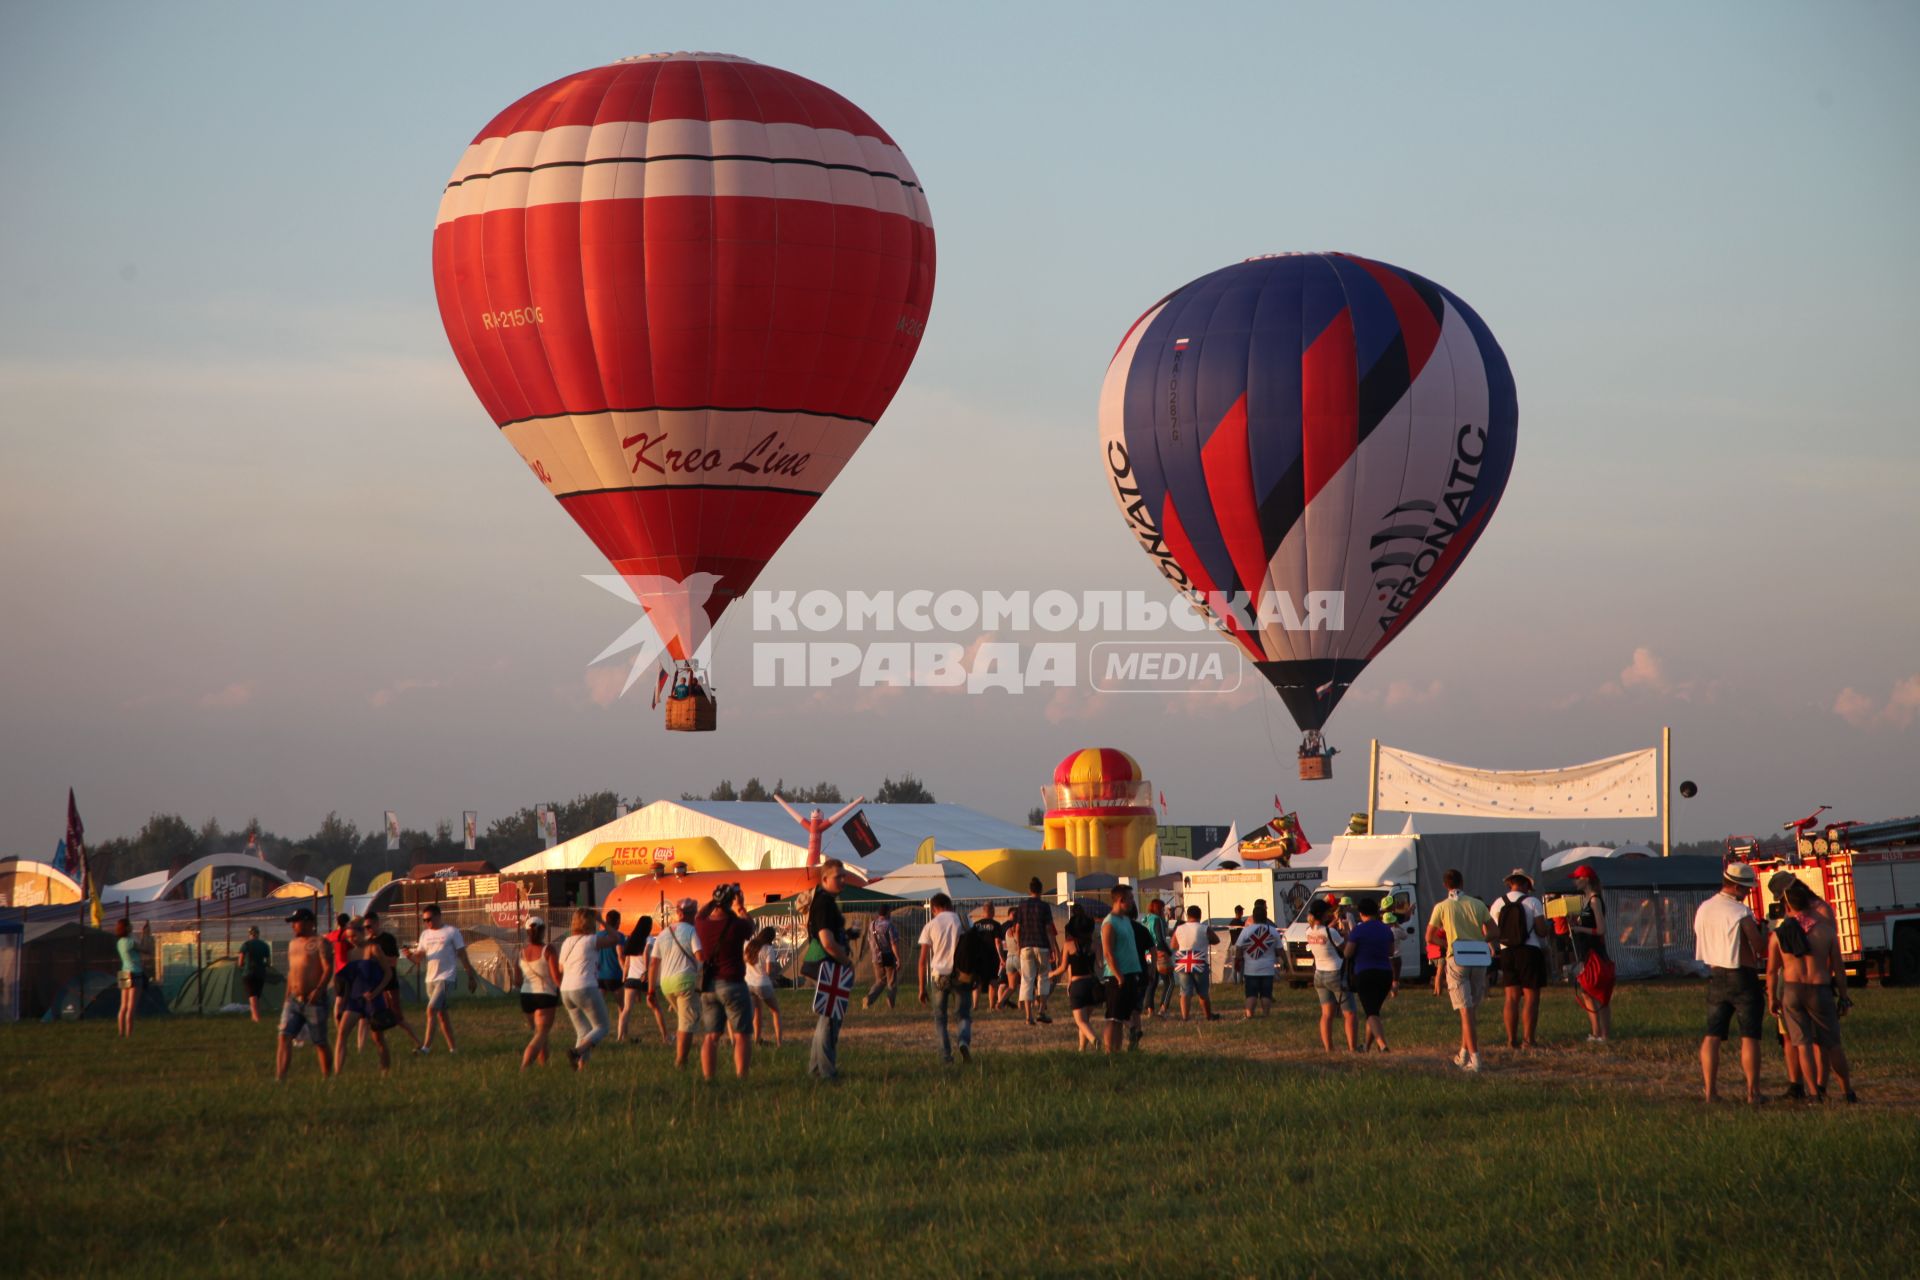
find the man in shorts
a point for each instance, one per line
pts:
(1035, 935)
(438, 947)
(304, 1018)
(674, 973)
(1520, 922)
(336, 938)
(725, 1005)
(1192, 949)
(885, 943)
(1457, 918)
(1259, 947)
(1726, 939)
(1807, 979)
(255, 956)
(385, 948)
(1120, 955)
(1797, 1089)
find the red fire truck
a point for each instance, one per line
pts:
(1870, 873)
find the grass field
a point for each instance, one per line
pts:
(1233, 1147)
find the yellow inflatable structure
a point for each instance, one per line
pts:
(629, 858)
(1099, 811)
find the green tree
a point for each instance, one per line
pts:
(754, 791)
(908, 790)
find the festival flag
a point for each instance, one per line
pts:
(1163, 804)
(59, 862)
(549, 827)
(253, 846)
(835, 986)
(470, 824)
(658, 685)
(77, 856)
(1299, 833)
(393, 832)
(860, 834)
(1277, 806)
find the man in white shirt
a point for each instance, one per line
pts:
(674, 972)
(1727, 939)
(1523, 956)
(1259, 944)
(438, 947)
(939, 950)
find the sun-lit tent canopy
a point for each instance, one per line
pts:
(25, 882)
(921, 881)
(226, 875)
(755, 833)
(1567, 857)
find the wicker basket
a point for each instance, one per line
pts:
(694, 713)
(1316, 768)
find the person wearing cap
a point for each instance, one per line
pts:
(1593, 984)
(1726, 938)
(303, 1018)
(1776, 896)
(1520, 922)
(673, 972)
(438, 947)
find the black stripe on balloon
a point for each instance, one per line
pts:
(1282, 506)
(683, 408)
(1429, 294)
(656, 488)
(582, 164)
(1383, 386)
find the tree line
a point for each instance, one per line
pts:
(169, 842)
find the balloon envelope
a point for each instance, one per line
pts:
(685, 287)
(1308, 444)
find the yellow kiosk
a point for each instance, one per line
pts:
(1100, 811)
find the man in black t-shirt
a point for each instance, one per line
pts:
(827, 927)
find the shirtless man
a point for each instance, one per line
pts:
(1805, 974)
(1797, 1089)
(303, 1018)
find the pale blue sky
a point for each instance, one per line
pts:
(261, 556)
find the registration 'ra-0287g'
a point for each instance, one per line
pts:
(513, 319)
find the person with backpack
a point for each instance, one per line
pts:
(1520, 924)
(945, 968)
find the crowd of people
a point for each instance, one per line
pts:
(719, 976)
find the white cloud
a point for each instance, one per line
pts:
(1900, 710)
(232, 697)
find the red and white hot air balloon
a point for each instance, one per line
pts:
(685, 286)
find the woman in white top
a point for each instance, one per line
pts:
(634, 954)
(1328, 946)
(760, 964)
(539, 993)
(580, 984)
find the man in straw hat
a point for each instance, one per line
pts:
(1727, 939)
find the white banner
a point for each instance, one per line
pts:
(1625, 786)
(393, 831)
(549, 828)
(470, 827)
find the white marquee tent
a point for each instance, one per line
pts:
(750, 830)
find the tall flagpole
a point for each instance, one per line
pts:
(1373, 783)
(1666, 791)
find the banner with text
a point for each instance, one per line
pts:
(1626, 786)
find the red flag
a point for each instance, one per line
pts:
(1301, 843)
(658, 685)
(77, 849)
(1277, 806)
(1163, 804)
